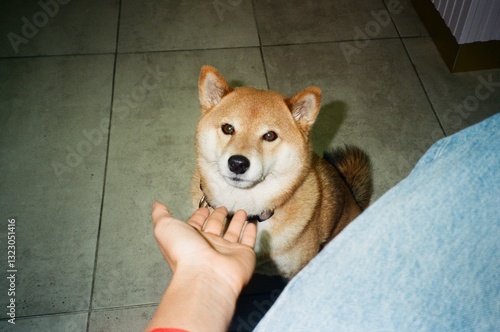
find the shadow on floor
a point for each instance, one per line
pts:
(255, 301)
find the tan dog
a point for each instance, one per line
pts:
(253, 153)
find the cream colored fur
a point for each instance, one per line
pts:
(310, 199)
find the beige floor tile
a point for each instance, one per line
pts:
(76, 322)
(126, 319)
(294, 22)
(376, 101)
(151, 157)
(52, 175)
(179, 25)
(53, 27)
(460, 99)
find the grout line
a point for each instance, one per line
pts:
(401, 38)
(127, 307)
(92, 287)
(423, 87)
(392, 20)
(84, 311)
(260, 44)
(330, 42)
(200, 49)
(189, 50)
(52, 314)
(53, 55)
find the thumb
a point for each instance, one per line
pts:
(158, 212)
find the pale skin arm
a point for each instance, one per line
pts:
(210, 270)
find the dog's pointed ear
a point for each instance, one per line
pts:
(211, 88)
(305, 106)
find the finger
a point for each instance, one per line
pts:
(198, 218)
(215, 223)
(249, 234)
(158, 212)
(236, 226)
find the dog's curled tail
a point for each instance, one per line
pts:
(354, 166)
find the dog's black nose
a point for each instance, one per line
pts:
(238, 164)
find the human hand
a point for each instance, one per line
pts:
(199, 247)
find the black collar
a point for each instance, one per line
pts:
(266, 214)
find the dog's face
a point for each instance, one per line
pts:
(248, 136)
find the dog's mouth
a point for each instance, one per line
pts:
(241, 172)
(238, 182)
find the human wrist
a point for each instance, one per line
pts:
(196, 300)
(209, 278)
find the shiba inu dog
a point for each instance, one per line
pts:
(253, 153)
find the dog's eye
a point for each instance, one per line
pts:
(227, 129)
(270, 136)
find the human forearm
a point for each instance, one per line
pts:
(210, 269)
(195, 302)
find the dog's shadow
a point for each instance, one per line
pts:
(327, 125)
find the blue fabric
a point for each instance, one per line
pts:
(424, 257)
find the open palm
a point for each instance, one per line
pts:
(199, 244)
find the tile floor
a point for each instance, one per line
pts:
(80, 194)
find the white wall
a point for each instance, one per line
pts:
(471, 20)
